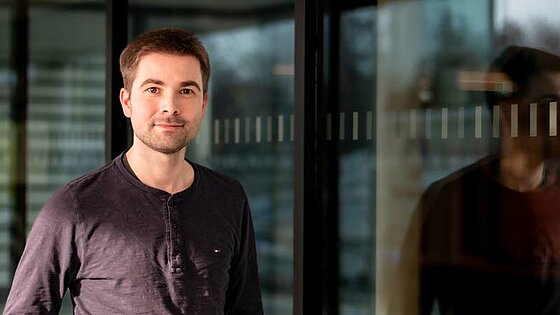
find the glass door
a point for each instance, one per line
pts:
(466, 137)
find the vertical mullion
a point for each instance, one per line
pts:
(308, 204)
(116, 125)
(19, 60)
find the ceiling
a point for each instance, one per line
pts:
(70, 27)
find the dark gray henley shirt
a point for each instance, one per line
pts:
(122, 247)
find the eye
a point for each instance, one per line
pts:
(186, 91)
(152, 90)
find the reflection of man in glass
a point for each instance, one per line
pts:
(490, 238)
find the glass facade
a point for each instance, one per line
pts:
(406, 110)
(452, 132)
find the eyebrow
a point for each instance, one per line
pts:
(191, 83)
(183, 84)
(152, 81)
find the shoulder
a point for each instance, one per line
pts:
(474, 173)
(472, 181)
(64, 202)
(211, 180)
(96, 178)
(222, 197)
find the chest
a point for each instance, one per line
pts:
(158, 238)
(505, 225)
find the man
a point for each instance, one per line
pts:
(150, 233)
(490, 236)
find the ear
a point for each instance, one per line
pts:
(124, 97)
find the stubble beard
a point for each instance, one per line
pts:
(168, 143)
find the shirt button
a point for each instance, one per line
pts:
(171, 203)
(175, 226)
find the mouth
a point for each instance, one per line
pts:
(169, 126)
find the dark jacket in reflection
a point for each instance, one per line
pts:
(488, 249)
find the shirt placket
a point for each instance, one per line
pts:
(173, 237)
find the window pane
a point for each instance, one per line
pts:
(66, 124)
(463, 226)
(252, 97)
(357, 160)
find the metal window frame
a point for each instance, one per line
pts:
(19, 60)
(116, 124)
(316, 160)
(316, 235)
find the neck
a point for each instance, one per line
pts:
(521, 171)
(167, 172)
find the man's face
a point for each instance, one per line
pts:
(166, 103)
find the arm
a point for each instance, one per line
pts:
(49, 262)
(243, 295)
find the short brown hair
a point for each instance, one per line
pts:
(520, 65)
(168, 41)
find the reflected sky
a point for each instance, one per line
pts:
(525, 12)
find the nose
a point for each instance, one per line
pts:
(170, 105)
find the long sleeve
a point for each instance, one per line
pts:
(243, 295)
(49, 261)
